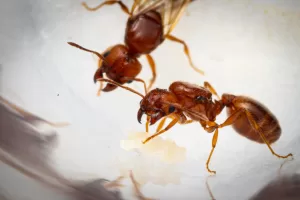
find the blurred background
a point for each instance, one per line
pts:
(245, 47)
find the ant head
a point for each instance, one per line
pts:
(119, 66)
(116, 63)
(157, 104)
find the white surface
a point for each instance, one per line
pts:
(244, 47)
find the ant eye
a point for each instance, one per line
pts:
(106, 54)
(171, 109)
(200, 98)
(130, 81)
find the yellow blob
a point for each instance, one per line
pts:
(166, 150)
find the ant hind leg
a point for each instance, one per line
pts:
(261, 133)
(186, 51)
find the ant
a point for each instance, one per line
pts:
(150, 22)
(249, 118)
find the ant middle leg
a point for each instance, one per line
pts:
(153, 69)
(122, 5)
(186, 51)
(211, 89)
(214, 143)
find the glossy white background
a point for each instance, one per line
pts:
(245, 47)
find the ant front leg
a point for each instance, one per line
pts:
(122, 5)
(186, 51)
(147, 124)
(153, 69)
(171, 124)
(162, 122)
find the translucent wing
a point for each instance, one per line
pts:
(173, 10)
(170, 10)
(142, 6)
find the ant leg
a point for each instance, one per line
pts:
(147, 124)
(230, 120)
(161, 124)
(153, 69)
(100, 89)
(122, 5)
(172, 123)
(186, 51)
(211, 89)
(188, 122)
(214, 143)
(261, 133)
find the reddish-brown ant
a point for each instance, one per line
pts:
(150, 22)
(248, 117)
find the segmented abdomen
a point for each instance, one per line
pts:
(266, 121)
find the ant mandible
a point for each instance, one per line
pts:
(249, 118)
(148, 25)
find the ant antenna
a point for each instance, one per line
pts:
(88, 50)
(117, 84)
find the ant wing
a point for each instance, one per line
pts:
(143, 6)
(173, 10)
(170, 11)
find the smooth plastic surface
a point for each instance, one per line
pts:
(245, 47)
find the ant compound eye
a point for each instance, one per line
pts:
(130, 81)
(106, 54)
(200, 98)
(171, 109)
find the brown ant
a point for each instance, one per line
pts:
(248, 117)
(150, 22)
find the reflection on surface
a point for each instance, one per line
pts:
(25, 148)
(282, 188)
(164, 149)
(153, 162)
